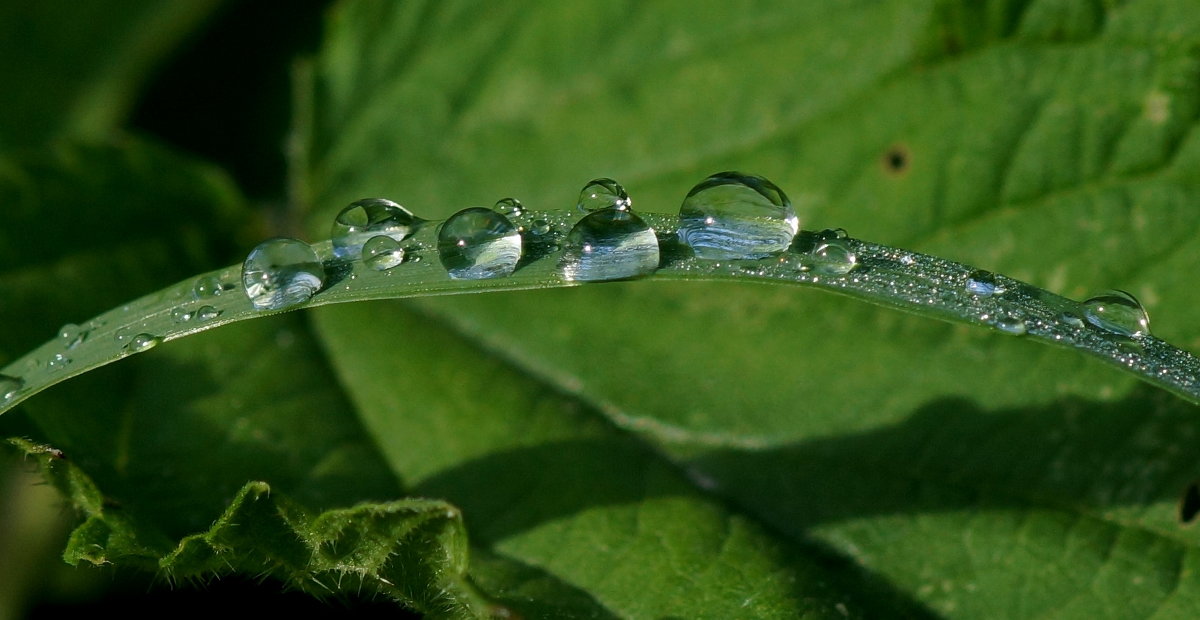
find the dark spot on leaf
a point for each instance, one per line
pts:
(897, 160)
(1189, 506)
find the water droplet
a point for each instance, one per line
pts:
(122, 334)
(603, 194)
(478, 243)
(9, 386)
(368, 218)
(1011, 325)
(539, 227)
(834, 257)
(907, 260)
(58, 362)
(207, 313)
(1072, 319)
(142, 342)
(382, 253)
(983, 283)
(1118, 312)
(510, 208)
(181, 314)
(207, 286)
(281, 273)
(609, 244)
(732, 215)
(72, 335)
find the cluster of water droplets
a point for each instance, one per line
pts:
(729, 222)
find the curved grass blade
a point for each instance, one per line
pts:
(917, 283)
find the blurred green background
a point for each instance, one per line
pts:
(634, 448)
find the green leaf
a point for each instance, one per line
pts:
(73, 69)
(975, 474)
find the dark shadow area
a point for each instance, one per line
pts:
(227, 96)
(131, 597)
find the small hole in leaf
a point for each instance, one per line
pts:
(1189, 506)
(896, 160)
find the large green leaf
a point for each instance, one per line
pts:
(971, 472)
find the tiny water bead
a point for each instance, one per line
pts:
(1011, 325)
(281, 273)
(731, 215)
(9, 386)
(58, 362)
(603, 194)
(72, 335)
(181, 314)
(478, 243)
(609, 244)
(368, 218)
(983, 283)
(1118, 312)
(207, 286)
(834, 257)
(142, 342)
(510, 208)
(382, 253)
(207, 313)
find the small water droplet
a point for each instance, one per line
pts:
(539, 227)
(207, 286)
(983, 283)
(181, 314)
(281, 273)
(1011, 325)
(478, 243)
(907, 260)
(58, 362)
(510, 208)
(142, 342)
(603, 194)
(207, 313)
(609, 244)
(72, 335)
(1072, 319)
(834, 257)
(732, 215)
(368, 218)
(9, 386)
(122, 334)
(1118, 312)
(382, 253)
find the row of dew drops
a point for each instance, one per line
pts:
(728, 216)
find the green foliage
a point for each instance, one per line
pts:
(657, 449)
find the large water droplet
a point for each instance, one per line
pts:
(478, 243)
(367, 218)
(1118, 312)
(281, 273)
(382, 253)
(609, 244)
(603, 194)
(9, 386)
(983, 283)
(142, 342)
(731, 215)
